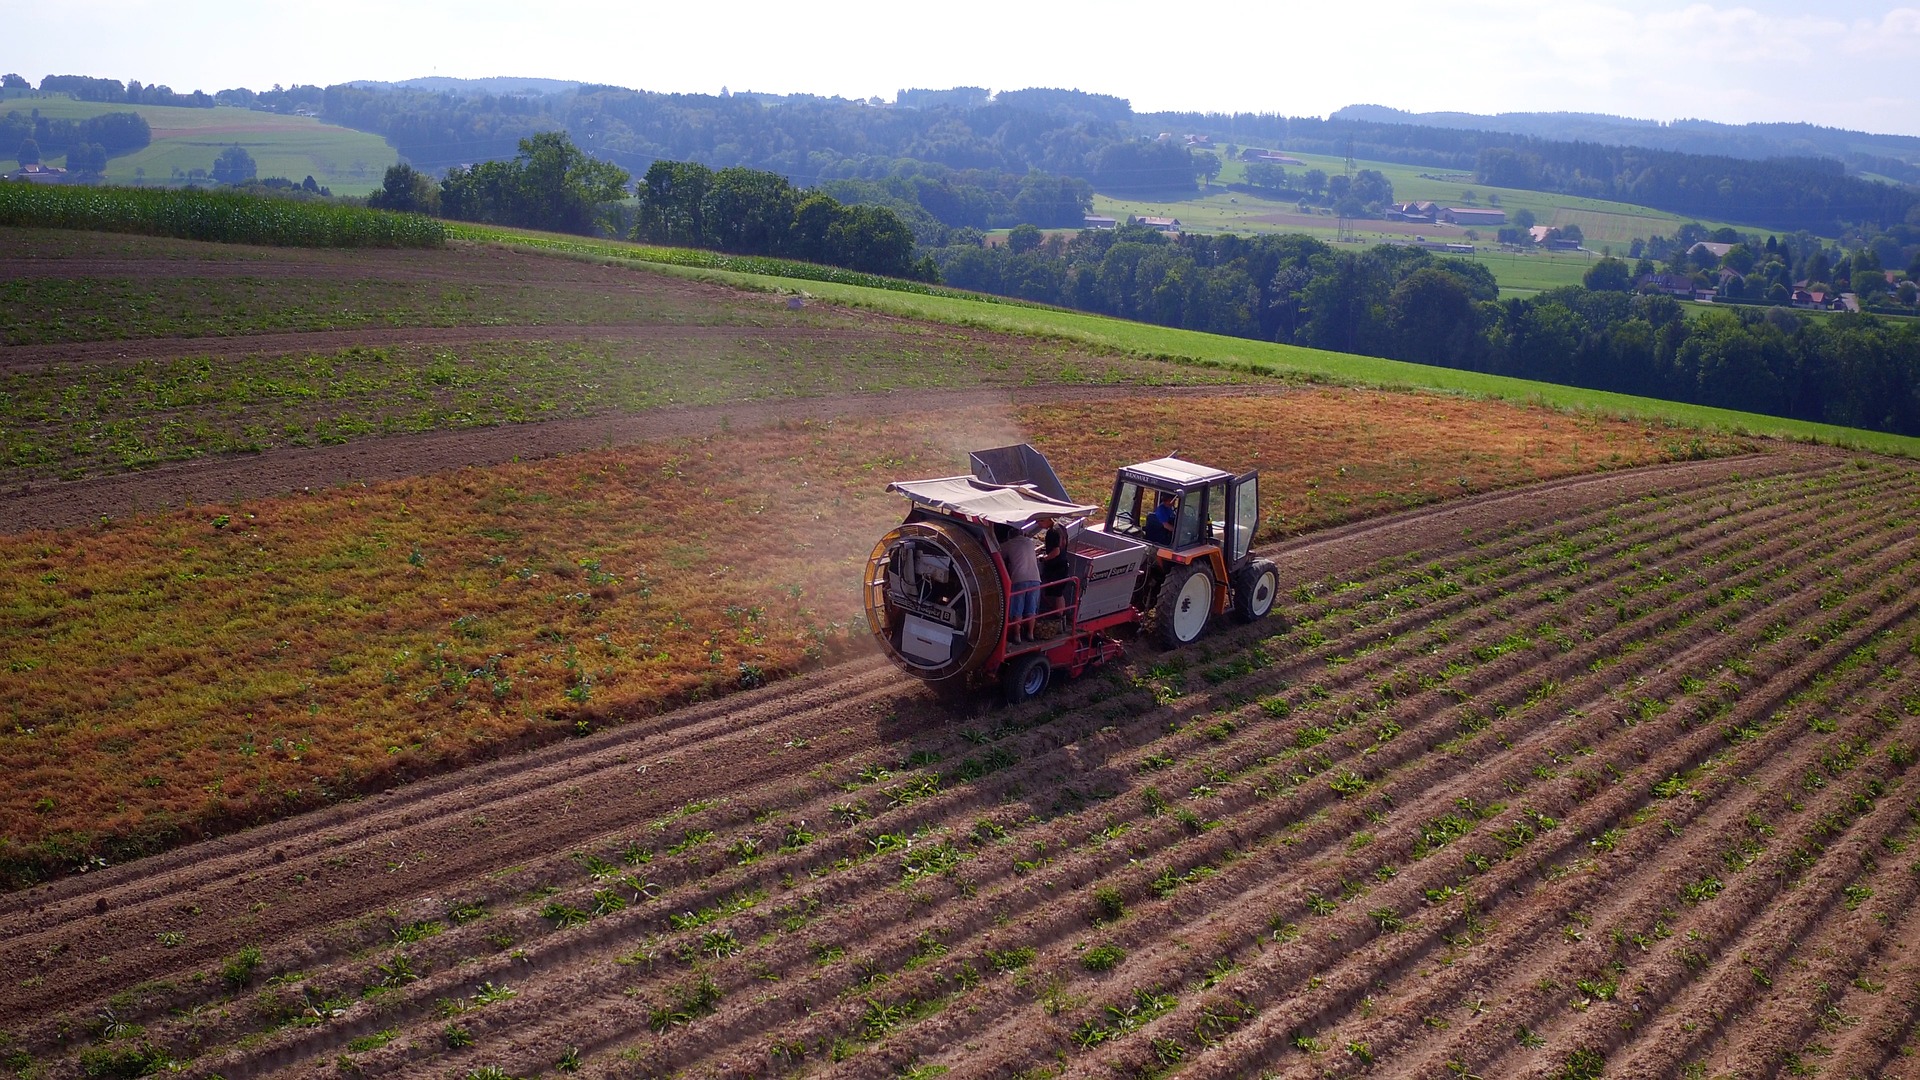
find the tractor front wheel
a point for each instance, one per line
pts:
(1026, 678)
(1254, 589)
(1185, 606)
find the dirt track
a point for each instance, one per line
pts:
(1610, 766)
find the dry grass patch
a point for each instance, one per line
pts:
(185, 673)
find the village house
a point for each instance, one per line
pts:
(1415, 211)
(1679, 285)
(1095, 221)
(1815, 299)
(1163, 224)
(1718, 251)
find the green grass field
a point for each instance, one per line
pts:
(1609, 227)
(345, 161)
(1602, 222)
(1186, 346)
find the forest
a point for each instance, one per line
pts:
(1406, 303)
(552, 184)
(86, 144)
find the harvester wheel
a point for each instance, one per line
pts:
(1025, 678)
(1254, 589)
(1185, 605)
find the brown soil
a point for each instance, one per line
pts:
(1604, 774)
(1610, 766)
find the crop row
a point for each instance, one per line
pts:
(224, 217)
(1442, 766)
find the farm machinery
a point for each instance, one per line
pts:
(1173, 553)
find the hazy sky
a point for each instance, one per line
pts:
(1843, 63)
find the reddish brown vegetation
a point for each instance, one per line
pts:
(369, 633)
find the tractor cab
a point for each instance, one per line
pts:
(1201, 523)
(1184, 508)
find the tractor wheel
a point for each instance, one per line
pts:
(1254, 589)
(1026, 678)
(1185, 605)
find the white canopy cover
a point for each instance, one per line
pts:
(1018, 505)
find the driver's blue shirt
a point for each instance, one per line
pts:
(1159, 525)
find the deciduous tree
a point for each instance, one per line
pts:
(233, 166)
(404, 189)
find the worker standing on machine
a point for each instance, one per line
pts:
(1054, 567)
(1023, 567)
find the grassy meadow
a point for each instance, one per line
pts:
(1608, 226)
(346, 161)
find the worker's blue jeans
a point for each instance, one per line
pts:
(1026, 600)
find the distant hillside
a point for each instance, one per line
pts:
(497, 85)
(185, 141)
(1896, 157)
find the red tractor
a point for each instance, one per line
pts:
(1174, 551)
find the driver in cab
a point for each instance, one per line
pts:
(1160, 523)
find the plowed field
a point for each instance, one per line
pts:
(1605, 776)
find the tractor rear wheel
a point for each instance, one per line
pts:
(1255, 588)
(1026, 678)
(1185, 605)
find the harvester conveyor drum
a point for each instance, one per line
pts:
(935, 601)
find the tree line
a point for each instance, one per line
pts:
(1406, 303)
(86, 143)
(554, 185)
(113, 91)
(1786, 193)
(807, 139)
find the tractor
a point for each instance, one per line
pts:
(1173, 551)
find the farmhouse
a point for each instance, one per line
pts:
(1719, 251)
(1415, 211)
(1544, 235)
(1163, 224)
(1679, 285)
(1094, 221)
(1473, 215)
(39, 174)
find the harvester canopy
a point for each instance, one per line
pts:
(1017, 505)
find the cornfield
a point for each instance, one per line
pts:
(224, 217)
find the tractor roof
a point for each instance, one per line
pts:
(1019, 505)
(1171, 472)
